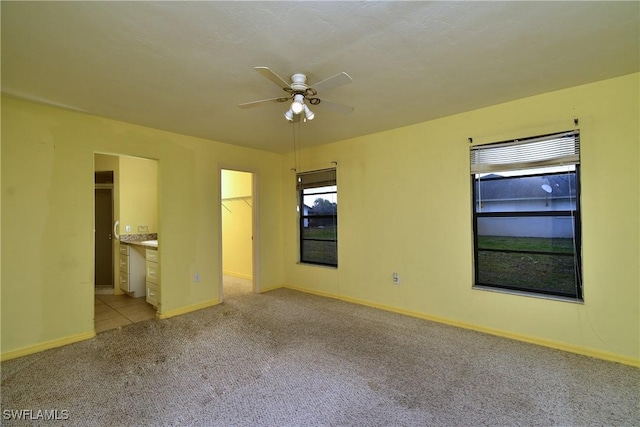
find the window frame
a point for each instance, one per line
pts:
(303, 258)
(574, 212)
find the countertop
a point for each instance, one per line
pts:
(149, 240)
(153, 244)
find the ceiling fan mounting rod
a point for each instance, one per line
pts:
(299, 85)
(299, 82)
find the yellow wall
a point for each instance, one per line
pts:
(106, 162)
(236, 211)
(138, 195)
(47, 218)
(405, 206)
(236, 184)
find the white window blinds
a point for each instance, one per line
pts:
(320, 178)
(548, 150)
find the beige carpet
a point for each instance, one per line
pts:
(286, 358)
(233, 287)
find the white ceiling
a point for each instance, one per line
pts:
(185, 66)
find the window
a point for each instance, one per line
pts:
(318, 207)
(526, 215)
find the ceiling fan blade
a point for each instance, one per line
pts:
(262, 102)
(279, 81)
(333, 82)
(334, 106)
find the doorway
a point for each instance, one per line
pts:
(125, 213)
(237, 219)
(103, 199)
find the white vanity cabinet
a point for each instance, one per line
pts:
(152, 276)
(132, 270)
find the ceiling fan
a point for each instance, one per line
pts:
(298, 91)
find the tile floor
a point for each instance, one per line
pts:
(114, 311)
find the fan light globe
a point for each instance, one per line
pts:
(289, 115)
(308, 113)
(297, 107)
(298, 103)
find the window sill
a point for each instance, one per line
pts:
(529, 294)
(311, 264)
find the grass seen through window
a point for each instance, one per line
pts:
(502, 260)
(538, 244)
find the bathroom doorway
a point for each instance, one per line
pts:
(237, 207)
(125, 212)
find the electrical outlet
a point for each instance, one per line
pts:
(396, 279)
(127, 229)
(196, 277)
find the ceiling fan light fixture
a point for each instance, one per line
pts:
(289, 115)
(297, 107)
(298, 103)
(309, 115)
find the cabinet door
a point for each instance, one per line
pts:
(152, 294)
(124, 281)
(153, 273)
(124, 263)
(152, 255)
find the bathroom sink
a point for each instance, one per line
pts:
(153, 243)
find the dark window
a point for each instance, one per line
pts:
(527, 219)
(318, 207)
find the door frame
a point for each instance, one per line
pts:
(255, 229)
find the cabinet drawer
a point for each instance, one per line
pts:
(152, 294)
(152, 255)
(124, 249)
(124, 281)
(124, 263)
(153, 272)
